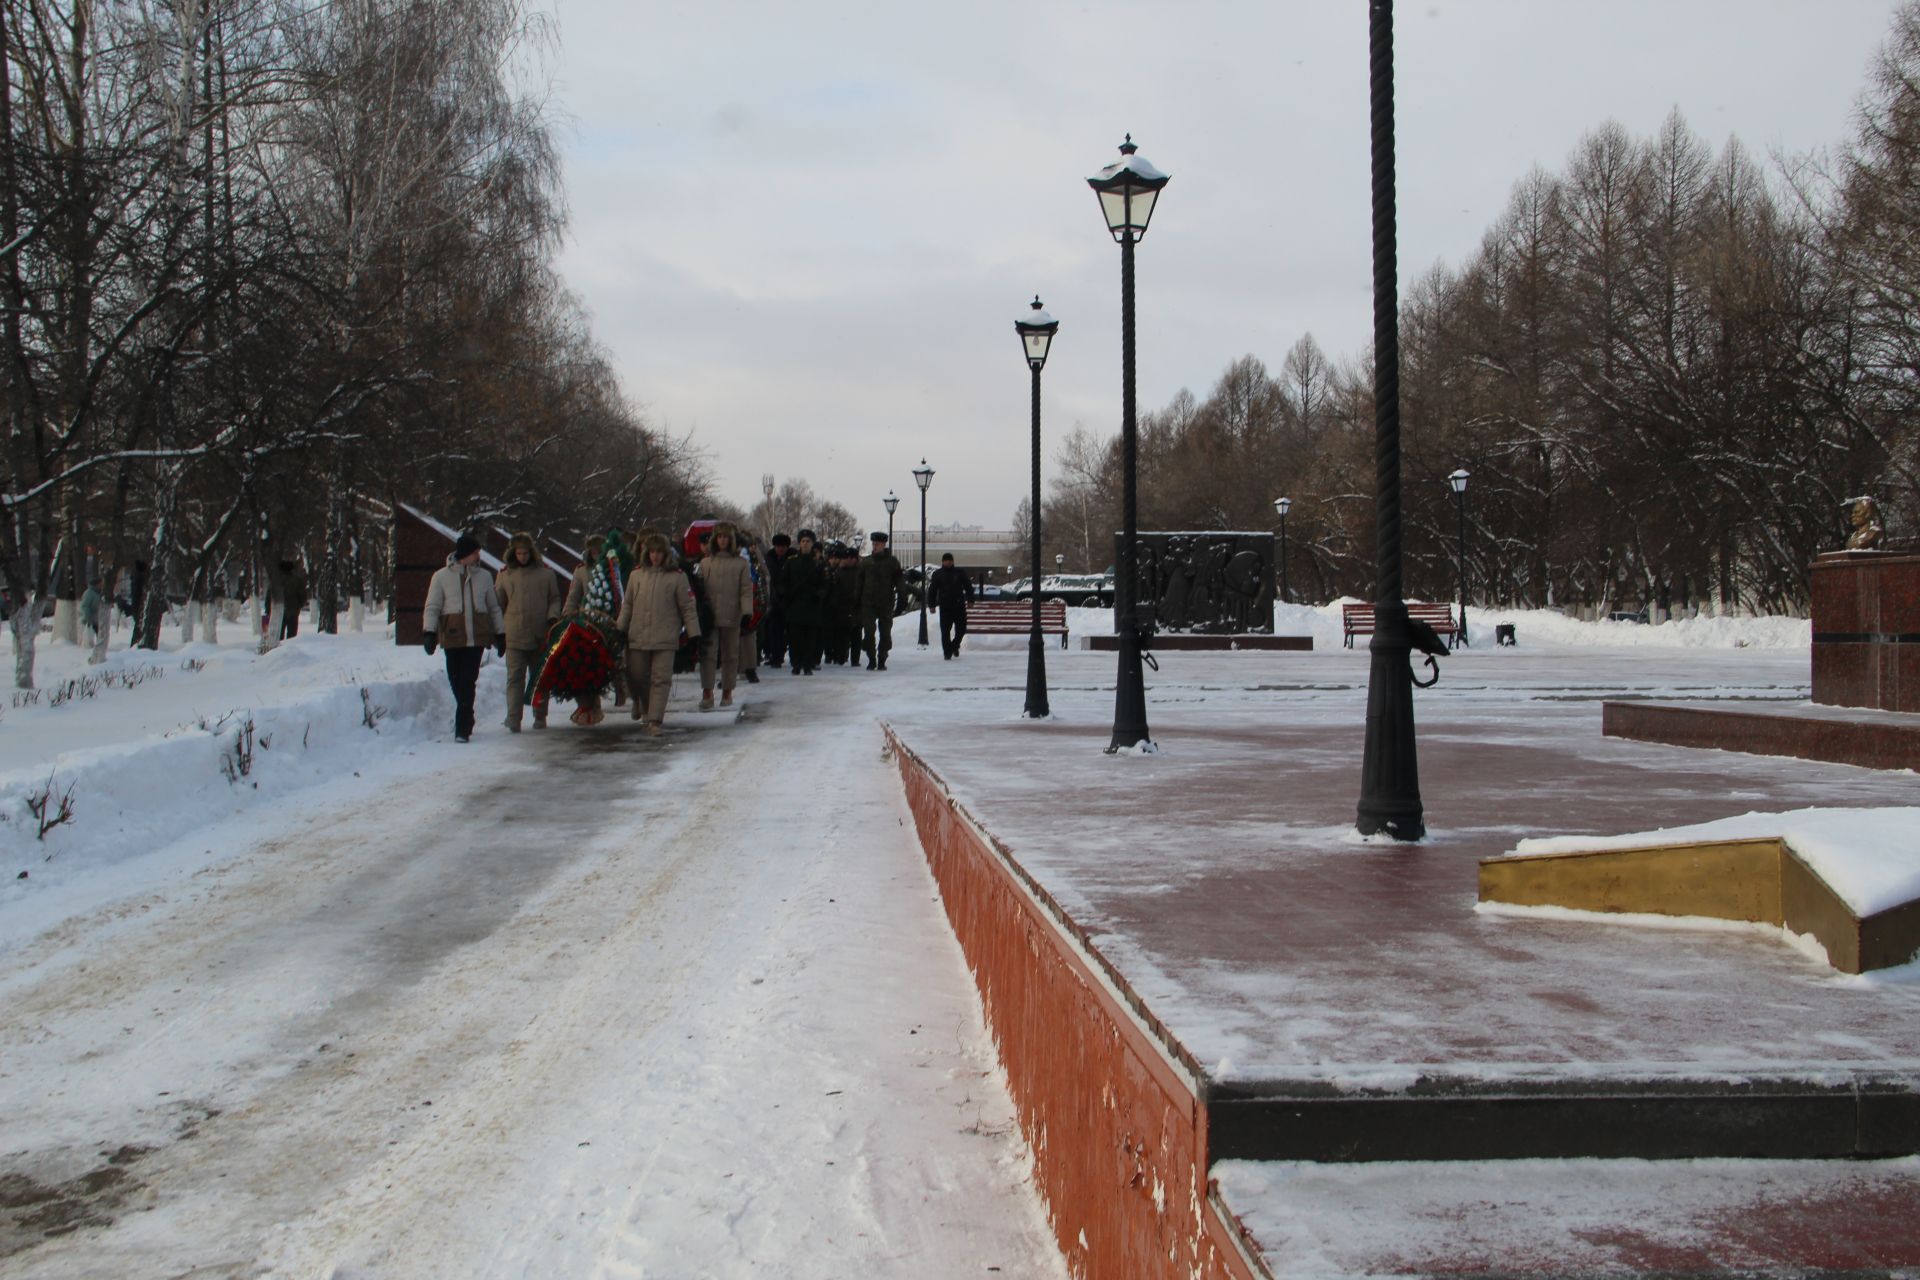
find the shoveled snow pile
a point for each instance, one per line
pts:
(152, 744)
(1869, 857)
(1533, 628)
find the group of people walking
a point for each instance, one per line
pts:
(718, 604)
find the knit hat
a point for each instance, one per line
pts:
(464, 546)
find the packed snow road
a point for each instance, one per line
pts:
(567, 1004)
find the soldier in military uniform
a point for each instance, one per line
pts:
(881, 581)
(843, 603)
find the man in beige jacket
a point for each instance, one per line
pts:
(658, 607)
(530, 596)
(729, 581)
(463, 617)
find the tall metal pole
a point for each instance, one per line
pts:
(1285, 596)
(1130, 688)
(1460, 507)
(890, 530)
(1390, 767)
(1036, 707)
(923, 566)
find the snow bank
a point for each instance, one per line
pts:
(1533, 628)
(207, 734)
(1551, 628)
(1870, 857)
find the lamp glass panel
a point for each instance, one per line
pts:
(1142, 210)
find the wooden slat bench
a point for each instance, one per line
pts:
(1357, 620)
(1015, 618)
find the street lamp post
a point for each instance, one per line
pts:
(1128, 190)
(1036, 336)
(890, 502)
(1459, 482)
(922, 476)
(1059, 562)
(1389, 765)
(1283, 505)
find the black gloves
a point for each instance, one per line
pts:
(746, 622)
(433, 642)
(500, 645)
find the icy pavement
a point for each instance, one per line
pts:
(568, 1004)
(1560, 1218)
(1222, 876)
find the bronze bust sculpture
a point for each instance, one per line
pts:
(1864, 517)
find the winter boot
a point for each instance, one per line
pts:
(706, 699)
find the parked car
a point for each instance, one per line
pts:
(1627, 615)
(1076, 590)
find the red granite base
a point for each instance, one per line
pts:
(1870, 739)
(1110, 1108)
(1866, 630)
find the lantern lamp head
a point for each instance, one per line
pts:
(1036, 333)
(1128, 189)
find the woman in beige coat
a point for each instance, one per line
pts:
(657, 608)
(729, 581)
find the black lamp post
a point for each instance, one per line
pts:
(1390, 765)
(922, 476)
(1059, 562)
(1128, 189)
(1458, 480)
(890, 502)
(1036, 335)
(1283, 505)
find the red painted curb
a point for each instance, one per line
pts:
(1112, 1105)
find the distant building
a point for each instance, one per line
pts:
(985, 553)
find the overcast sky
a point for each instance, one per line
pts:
(804, 230)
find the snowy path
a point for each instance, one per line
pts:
(564, 1005)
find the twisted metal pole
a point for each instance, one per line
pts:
(1037, 706)
(1130, 687)
(1390, 767)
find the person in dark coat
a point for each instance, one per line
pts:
(296, 598)
(803, 593)
(773, 624)
(949, 590)
(842, 631)
(881, 582)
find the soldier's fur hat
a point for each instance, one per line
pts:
(879, 535)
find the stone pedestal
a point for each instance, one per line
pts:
(1866, 630)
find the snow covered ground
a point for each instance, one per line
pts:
(563, 1004)
(577, 1003)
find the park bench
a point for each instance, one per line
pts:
(1357, 620)
(1015, 618)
